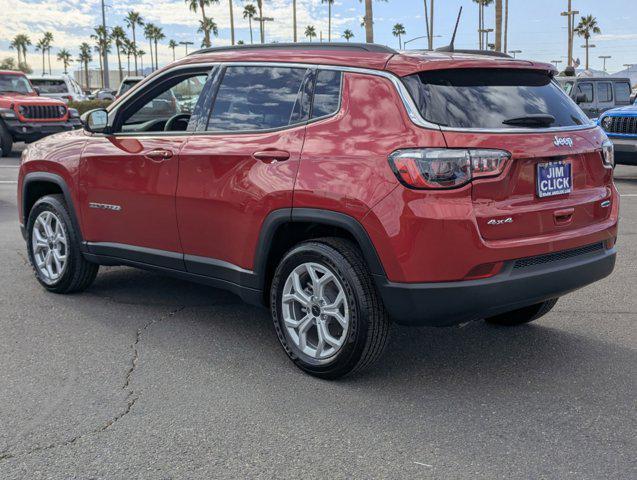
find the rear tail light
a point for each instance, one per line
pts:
(445, 168)
(608, 154)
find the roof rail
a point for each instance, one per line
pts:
(366, 47)
(488, 53)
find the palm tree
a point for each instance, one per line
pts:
(310, 32)
(84, 58)
(20, 42)
(194, 5)
(206, 26)
(399, 31)
(17, 45)
(149, 31)
(158, 34)
(347, 34)
(260, 7)
(498, 25)
(294, 19)
(65, 57)
(249, 12)
(41, 47)
(119, 38)
(586, 26)
(48, 38)
(172, 45)
(329, 18)
(128, 50)
(506, 26)
(368, 22)
(140, 54)
(103, 41)
(134, 19)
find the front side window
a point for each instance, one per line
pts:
(587, 90)
(257, 98)
(604, 92)
(492, 98)
(327, 93)
(177, 98)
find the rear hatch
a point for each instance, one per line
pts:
(555, 180)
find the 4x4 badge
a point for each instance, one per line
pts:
(563, 141)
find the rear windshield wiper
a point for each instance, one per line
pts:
(532, 120)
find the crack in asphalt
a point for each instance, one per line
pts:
(131, 397)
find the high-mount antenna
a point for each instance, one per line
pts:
(450, 47)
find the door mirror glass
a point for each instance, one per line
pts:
(95, 121)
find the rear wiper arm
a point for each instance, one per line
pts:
(532, 120)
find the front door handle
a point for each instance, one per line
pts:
(270, 156)
(159, 155)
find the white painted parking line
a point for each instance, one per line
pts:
(8, 182)
(424, 464)
(628, 194)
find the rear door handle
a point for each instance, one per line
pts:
(159, 155)
(269, 156)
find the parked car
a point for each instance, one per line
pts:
(342, 186)
(595, 95)
(61, 87)
(620, 124)
(102, 94)
(25, 116)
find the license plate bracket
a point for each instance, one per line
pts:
(554, 178)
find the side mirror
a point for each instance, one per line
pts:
(580, 98)
(95, 121)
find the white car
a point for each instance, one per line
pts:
(62, 87)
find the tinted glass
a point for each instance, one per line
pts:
(14, 83)
(622, 93)
(327, 93)
(127, 85)
(49, 85)
(485, 98)
(604, 92)
(256, 98)
(586, 89)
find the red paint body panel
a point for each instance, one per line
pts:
(117, 171)
(224, 193)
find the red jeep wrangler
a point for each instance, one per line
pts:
(344, 186)
(25, 116)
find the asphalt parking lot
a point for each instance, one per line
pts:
(144, 376)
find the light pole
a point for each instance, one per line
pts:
(262, 21)
(104, 53)
(604, 58)
(556, 62)
(418, 38)
(486, 31)
(185, 44)
(514, 52)
(570, 14)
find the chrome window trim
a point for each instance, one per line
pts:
(405, 96)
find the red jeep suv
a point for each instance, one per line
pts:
(343, 186)
(25, 116)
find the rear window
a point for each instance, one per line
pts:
(49, 85)
(485, 98)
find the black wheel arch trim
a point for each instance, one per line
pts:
(278, 218)
(33, 177)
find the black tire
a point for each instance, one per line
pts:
(523, 315)
(6, 141)
(369, 322)
(78, 274)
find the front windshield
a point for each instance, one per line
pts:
(15, 83)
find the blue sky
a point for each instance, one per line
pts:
(536, 26)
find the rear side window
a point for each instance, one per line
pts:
(327, 93)
(604, 92)
(586, 89)
(622, 93)
(257, 98)
(486, 98)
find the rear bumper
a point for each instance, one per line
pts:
(521, 283)
(625, 150)
(32, 131)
